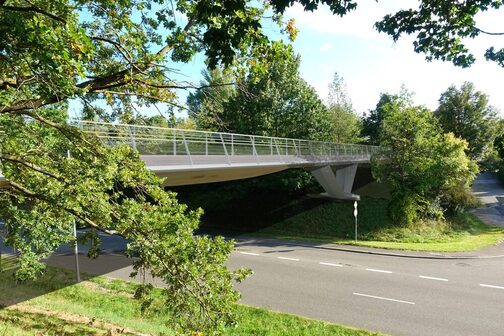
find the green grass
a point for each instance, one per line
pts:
(100, 305)
(7, 262)
(333, 222)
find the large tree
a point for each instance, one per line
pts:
(466, 113)
(423, 164)
(272, 99)
(113, 57)
(373, 121)
(346, 126)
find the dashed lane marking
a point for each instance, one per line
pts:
(248, 253)
(286, 258)
(384, 298)
(377, 270)
(491, 286)
(432, 278)
(330, 264)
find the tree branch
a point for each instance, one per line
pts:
(32, 9)
(183, 87)
(90, 85)
(487, 33)
(86, 220)
(30, 165)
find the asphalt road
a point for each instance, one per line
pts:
(395, 295)
(399, 296)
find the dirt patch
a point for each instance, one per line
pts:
(112, 329)
(96, 287)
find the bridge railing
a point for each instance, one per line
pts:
(193, 144)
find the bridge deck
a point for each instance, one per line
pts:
(190, 156)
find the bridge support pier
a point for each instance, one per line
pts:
(337, 182)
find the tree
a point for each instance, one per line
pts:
(466, 114)
(372, 123)
(441, 26)
(423, 165)
(345, 123)
(206, 106)
(272, 99)
(113, 56)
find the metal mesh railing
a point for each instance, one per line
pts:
(230, 148)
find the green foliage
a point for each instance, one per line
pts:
(272, 99)
(333, 222)
(112, 57)
(372, 123)
(422, 164)
(206, 106)
(441, 27)
(465, 112)
(110, 190)
(346, 126)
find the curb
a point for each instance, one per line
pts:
(380, 252)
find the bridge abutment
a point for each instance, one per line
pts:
(337, 182)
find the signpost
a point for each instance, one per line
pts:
(355, 216)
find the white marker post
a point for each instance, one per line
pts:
(355, 216)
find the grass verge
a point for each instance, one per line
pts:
(332, 222)
(53, 305)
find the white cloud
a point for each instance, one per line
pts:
(371, 63)
(358, 23)
(325, 47)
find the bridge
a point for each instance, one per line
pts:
(191, 157)
(186, 157)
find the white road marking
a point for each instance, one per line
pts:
(491, 286)
(384, 298)
(285, 258)
(248, 253)
(377, 270)
(432, 278)
(330, 264)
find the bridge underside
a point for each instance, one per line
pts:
(335, 177)
(211, 174)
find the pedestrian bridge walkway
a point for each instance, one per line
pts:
(191, 157)
(185, 157)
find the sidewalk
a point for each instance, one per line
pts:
(491, 193)
(496, 251)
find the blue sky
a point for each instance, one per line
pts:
(371, 63)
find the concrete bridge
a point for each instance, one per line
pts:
(190, 157)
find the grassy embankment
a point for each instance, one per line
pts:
(333, 222)
(53, 305)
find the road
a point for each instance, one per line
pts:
(399, 296)
(396, 295)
